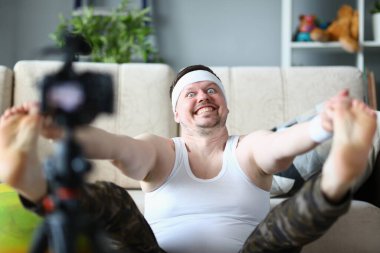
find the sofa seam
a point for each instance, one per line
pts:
(283, 80)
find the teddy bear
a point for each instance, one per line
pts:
(345, 29)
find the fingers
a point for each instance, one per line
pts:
(326, 119)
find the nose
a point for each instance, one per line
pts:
(203, 96)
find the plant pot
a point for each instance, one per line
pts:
(376, 26)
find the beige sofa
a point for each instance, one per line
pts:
(258, 97)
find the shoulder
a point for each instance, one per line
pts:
(254, 138)
(165, 158)
(248, 144)
(156, 140)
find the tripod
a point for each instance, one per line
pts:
(64, 222)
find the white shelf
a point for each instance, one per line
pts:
(371, 44)
(319, 45)
(288, 46)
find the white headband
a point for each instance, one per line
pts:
(193, 77)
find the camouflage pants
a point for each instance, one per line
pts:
(290, 225)
(296, 222)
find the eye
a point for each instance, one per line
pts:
(211, 91)
(190, 94)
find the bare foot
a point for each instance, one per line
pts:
(19, 130)
(354, 129)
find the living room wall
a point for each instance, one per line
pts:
(231, 32)
(217, 33)
(7, 28)
(25, 26)
(223, 32)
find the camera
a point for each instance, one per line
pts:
(74, 99)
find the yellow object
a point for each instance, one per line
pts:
(17, 225)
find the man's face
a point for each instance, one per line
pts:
(201, 105)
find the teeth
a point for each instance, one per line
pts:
(205, 109)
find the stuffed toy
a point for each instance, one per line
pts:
(345, 29)
(309, 29)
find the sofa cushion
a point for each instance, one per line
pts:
(255, 99)
(356, 231)
(305, 87)
(264, 97)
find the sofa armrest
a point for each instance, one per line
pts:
(6, 86)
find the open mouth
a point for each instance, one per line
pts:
(204, 109)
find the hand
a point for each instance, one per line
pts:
(327, 114)
(50, 130)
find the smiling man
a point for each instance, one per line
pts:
(206, 191)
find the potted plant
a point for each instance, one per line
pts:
(123, 35)
(375, 11)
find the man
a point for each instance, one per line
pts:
(206, 191)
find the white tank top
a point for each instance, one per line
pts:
(192, 215)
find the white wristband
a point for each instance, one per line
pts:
(317, 132)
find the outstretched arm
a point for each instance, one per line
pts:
(21, 168)
(275, 151)
(135, 157)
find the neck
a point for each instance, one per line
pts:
(199, 142)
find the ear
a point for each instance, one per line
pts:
(176, 117)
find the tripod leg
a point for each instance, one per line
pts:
(62, 234)
(40, 239)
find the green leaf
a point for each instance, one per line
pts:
(120, 37)
(376, 8)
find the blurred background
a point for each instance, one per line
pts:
(210, 32)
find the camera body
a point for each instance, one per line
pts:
(73, 99)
